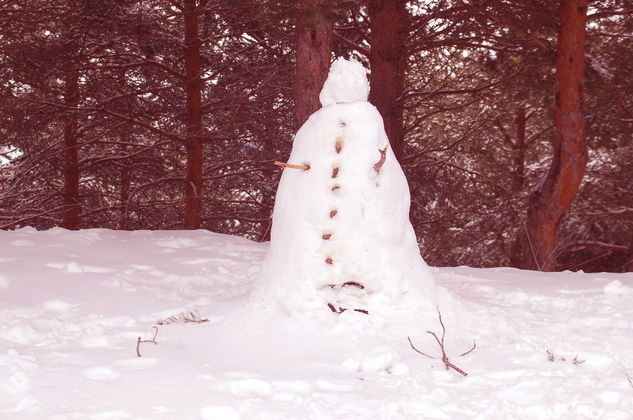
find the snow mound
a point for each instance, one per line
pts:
(616, 288)
(346, 82)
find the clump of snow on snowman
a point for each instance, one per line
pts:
(341, 239)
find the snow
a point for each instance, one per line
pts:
(549, 345)
(318, 324)
(341, 234)
(346, 82)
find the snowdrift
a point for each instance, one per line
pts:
(73, 305)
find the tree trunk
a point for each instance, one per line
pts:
(388, 20)
(518, 176)
(552, 199)
(628, 258)
(126, 180)
(71, 154)
(193, 123)
(314, 50)
(518, 181)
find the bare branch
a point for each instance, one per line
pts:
(421, 352)
(140, 340)
(304, 167)
(440, 342)
(473, 348)
(383, 156)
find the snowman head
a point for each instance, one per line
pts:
(346, 82)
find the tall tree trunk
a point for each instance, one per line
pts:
(551, 200)
(193, 123)
(126, 180)
(518, 181)
(628, 258)
(518, 176)
(314, 50)
(388, 20)
(71, 154)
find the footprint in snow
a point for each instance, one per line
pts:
(214, 412)
(177, 243)
(324, 385)
(141, 267)
(18, 382)
(136, 363)
(101, 373)
(22, 335)
(102, 415)
(23, 242)
(93, 342)
(251, 388)
(380, 359)
(74, 267)
(57, 306)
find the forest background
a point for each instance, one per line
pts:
(169, 114)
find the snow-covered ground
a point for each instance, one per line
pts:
(73, 304)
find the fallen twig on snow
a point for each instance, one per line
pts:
(140, 340)
(184, 317)
(304, 167)
(550, 356)
(628, 377)
(471, 349)
(440, 342)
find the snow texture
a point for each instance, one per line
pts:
(549, 345)
(346, 82)
(341, 233)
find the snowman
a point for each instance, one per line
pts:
(341, 239)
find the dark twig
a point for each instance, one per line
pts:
(473, 348)
(628, 377)
(340, 310)
(383, 156)
(421, 352)
(347, 283)
(440, 342)
(140, 340)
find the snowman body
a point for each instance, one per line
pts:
(341, 236)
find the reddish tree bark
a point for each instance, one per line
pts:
(387, 61)
(314, 50)
(193, 123)
(628, 258)
(518, 175)
(71, 154)
(519, 147)
(126, 180)
(552, 199)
